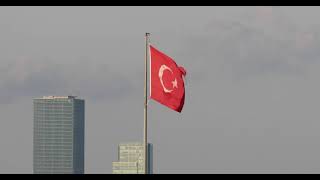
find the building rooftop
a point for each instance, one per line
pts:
(57, 97)
(133, 144)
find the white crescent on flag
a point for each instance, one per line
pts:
(174, 83)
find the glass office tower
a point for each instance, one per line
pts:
(58, 141)
(131, 159)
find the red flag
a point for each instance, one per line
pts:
(167, 85)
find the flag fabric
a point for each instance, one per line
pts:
(166, 81)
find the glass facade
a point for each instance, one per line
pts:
(131, 159)
(58, 141)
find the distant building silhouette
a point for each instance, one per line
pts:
(58, 141)
(131, 159)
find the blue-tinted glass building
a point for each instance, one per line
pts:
(58, 141)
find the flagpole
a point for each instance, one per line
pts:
(146, 108)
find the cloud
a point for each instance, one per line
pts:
(29, 77)
(254, 44)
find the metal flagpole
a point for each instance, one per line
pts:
(145, 108)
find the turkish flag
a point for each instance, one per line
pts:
(167, 85)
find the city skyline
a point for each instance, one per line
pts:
(251, 90)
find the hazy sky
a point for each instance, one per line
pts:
(252, 90)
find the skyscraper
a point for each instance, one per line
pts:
(131, 159)
(58, 141)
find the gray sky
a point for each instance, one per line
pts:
(252, 90)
